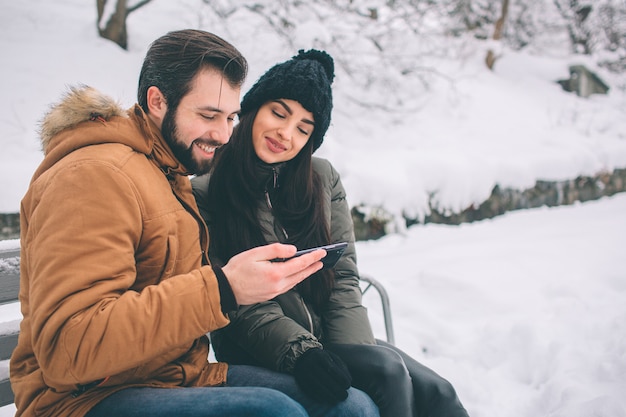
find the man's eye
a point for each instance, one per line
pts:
(208, 117)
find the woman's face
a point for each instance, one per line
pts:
(280, 130)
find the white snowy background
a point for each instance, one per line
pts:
(525, 313)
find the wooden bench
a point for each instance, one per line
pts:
(9, 289)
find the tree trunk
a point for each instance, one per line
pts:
(115, 28)
(490, 60)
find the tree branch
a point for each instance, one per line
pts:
(100, 6)
(131, 9)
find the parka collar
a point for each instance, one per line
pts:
(267, 176)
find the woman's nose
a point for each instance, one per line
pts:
(285, 131)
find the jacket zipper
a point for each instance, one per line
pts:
(268, 200)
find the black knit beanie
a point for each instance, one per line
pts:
(305, 78)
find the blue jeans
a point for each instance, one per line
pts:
(250, 391)
(358, 404)
(197, 402)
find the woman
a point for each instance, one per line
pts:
(267, 187)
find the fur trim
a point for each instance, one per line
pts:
(79, 104)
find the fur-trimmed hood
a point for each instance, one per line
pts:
(86, 117)
(80, 104)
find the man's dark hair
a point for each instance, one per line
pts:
(174, 59)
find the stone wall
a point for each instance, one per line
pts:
(544, 193)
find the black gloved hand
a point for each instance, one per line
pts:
(322, 375)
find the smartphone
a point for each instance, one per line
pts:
(333, 253)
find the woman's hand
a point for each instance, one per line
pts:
(323, 375)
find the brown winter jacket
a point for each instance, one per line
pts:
(113, 292)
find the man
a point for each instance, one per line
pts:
(116, 289)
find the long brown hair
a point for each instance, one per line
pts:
(235, 194)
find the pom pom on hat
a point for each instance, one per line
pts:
(325, 60)
(306, 78)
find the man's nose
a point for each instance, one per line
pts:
(221, 133)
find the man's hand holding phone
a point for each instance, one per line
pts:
(253, 279)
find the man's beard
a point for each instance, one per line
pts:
(181, 151)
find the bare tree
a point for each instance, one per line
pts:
(580, 32)
(115, 28)
(490, 60)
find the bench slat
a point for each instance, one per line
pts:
(9, 253)
(7, 344)
(6, 393)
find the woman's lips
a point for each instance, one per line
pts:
(274, 145)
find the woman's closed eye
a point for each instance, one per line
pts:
(277, 114)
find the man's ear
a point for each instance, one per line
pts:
(157, 106)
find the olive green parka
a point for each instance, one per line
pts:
(275, 333)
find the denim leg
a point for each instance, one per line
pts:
(197, 402)
(358, 404)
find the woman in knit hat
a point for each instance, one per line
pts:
(267, 187)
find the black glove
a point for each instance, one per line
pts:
(322, 375)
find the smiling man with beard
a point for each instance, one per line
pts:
(117, 292)
(195, 129)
